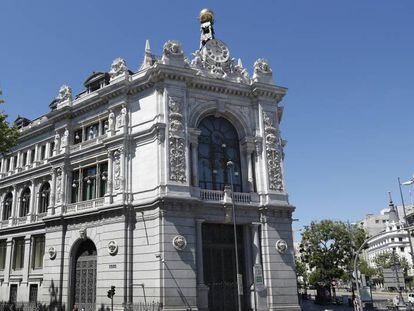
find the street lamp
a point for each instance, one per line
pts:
(230, 166)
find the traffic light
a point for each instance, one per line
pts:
(111, 292)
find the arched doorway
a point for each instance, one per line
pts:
(83, 280)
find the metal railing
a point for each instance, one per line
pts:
(80, 206)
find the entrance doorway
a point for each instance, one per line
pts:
(220, 266)
(84, 276)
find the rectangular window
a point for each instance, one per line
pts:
(24, 158)
(400, 239)
(75, 186)
(402, 249)
(13, 293)
(103, 171)
(104, 126)
(42, 152)
(32, 156)
(52, 147)
(18, 256)
(8, 164)
(92, 131)
(38, 251)
(15, 164)
(77, 137)
(3, 250)
(89, 183)
(377, 221)
(33, 293)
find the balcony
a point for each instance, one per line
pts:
(84, 205)
(87, 143)
(225, 196)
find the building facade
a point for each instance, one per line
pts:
(128, 184)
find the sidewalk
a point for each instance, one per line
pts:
(309, 305)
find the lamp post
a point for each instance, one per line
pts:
(230, 166)
(405, 219)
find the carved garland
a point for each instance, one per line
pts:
(58, 185)
(176, 141)
(273, 154)
(117, 169)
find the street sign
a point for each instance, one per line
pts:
(258, 278)
(393, 277)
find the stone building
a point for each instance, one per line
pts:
(128, 184)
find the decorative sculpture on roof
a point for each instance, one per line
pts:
(262, 71)
(213, 57)
(118, 68)
(172, 47)
(65, 93)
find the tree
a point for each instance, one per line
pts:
(301, 273)
(387, 260)
(9, 134)
(328, 248)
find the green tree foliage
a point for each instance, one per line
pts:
(387, 260)
(301, 273)
(9, 134)
(328, 248)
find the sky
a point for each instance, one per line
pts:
(348, 66)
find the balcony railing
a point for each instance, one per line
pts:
(217, 196)
(87, 143)
(80, 206)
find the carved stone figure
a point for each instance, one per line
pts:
(56, 147)
(172, 47)
(262, 66)
(117, 170)
(273, 154)
(111, 121)
(82, 233)
(118, 68)
(65, 139)
(176, 141)
(122, 117)
(65, 93)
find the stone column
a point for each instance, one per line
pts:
(14, 206)
(36, 155)
(18, 164)
(26, 266)
(32, 202)
(29, 157)
(52, 199)
(202, 289)
(261, 296)
(47, 151)
(9, 258)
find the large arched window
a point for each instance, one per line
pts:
(24, 202)
(44, 195)
(218, 143)
(7, 206)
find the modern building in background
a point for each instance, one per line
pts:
(127, 184)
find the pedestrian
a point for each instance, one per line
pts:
(357, 306)
(75, 308)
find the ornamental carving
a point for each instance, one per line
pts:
(122, 117)
(273, 154)
(111, 121)
(176, 140)
(58, 185)
(112, 248)
(56, 147)
(117, 170)
(52, 253)
(65, 93)
(118, 68)
(179, 242)
(281, 246)
(262, 66)
(65, 139)
(172, 47)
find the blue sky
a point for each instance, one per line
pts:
(348, 65)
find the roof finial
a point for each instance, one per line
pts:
(148, 57)
(207, 20)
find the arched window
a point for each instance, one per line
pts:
(218, 143)
(24, 202)
(7, 206)
(44, 195)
